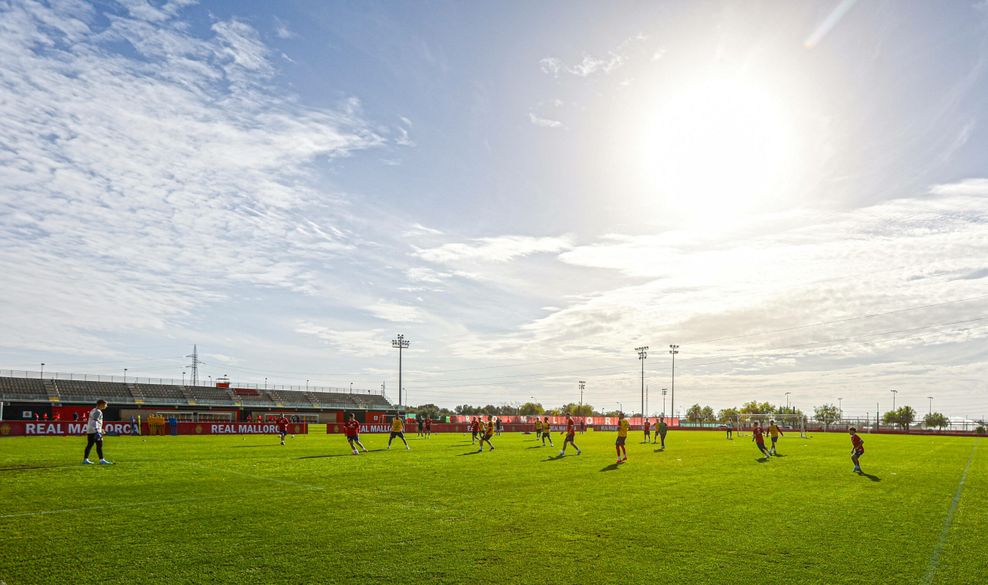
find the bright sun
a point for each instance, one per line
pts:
(720, 149)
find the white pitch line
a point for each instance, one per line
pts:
(938, 549)
(260, 477)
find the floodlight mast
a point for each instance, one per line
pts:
(673, 350)
(583, 386)
(400, 343)
(642, 355)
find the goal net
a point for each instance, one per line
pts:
(789, 423)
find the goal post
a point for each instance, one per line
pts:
(786, 422)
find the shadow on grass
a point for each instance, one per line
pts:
(778, 455)
(611, 467)
(326, 456)
(660, 450)
(537, 447)
(870, 476)
(762, 460)
(470, 453)
(553, 458)
(30, 467)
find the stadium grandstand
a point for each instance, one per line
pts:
(30, 395)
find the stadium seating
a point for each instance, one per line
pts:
(36, 389)
(152, 392)
(90, 390)
(23, 388)
(209, 393)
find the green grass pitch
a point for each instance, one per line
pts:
(246, 510)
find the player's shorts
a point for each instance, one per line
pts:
(857, 452)
(774, 439)
(473, 434)
(399, 434)
(570, 438)
(282, 433)
(353, 439)
(662, 433)
(487, 436)
(620, 440)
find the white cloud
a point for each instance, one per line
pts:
(544, 122)
(550, 66)
(396, 313)
(496, 249)
(282, 30)
(423, 274)
(362, 342)
(591, 64)
(140, 187)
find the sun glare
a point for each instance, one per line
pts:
(720, 149)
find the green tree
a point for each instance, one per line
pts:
(707, 414)
(727, 414)
(901, 417)
(755, 407)
(828, 414)
(530, 409)
(936, 420)
(694, 413)
(427, 410)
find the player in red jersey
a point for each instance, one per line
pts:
(857, 449)
(570, 436)
(283, 428)
(758, 436)
(428, 427)
(648, 430)
(351, 428)
(474, 429)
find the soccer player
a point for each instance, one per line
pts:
(538, 429)
(774, 431)
(648, 432)
(546, 433)
(474, 429)
(351, 428)
(570, 436)
(94, 434)
(730, 430)
(661, 429)
(418, 423)
(857, 450)
(623, 427)
(283, 427)
(398, 430)
(758, 437)
(486, 432)
(428, 428)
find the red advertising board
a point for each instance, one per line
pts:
(42, 429)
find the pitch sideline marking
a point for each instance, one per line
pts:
(938, 549)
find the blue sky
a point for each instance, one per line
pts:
(793, 192)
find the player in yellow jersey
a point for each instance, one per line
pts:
(623, 427)
(547, 432)
(486, 432)
(538, 429)
(775, 432)
(398, 430)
